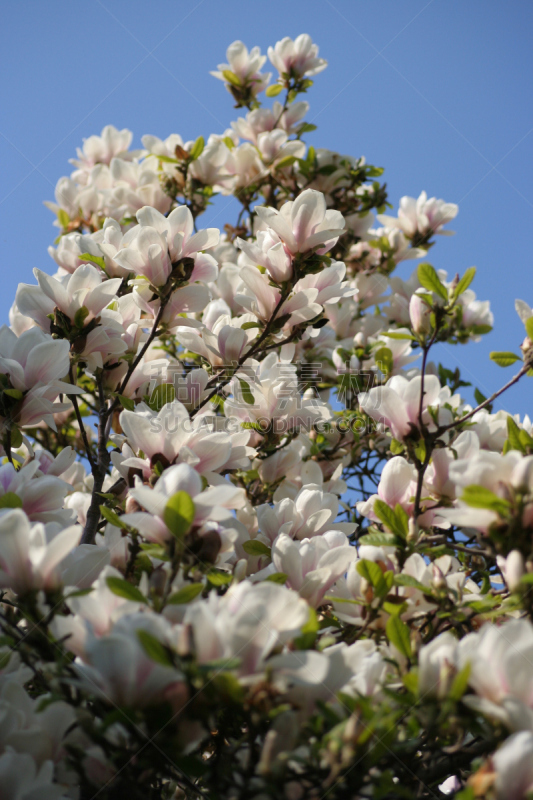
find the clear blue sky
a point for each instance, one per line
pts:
(436, 92)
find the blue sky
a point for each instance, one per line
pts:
(436, 92)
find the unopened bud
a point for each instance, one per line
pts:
(438, 581)
(414, 532)
(240, 569)
(419, 314)
(514, 569)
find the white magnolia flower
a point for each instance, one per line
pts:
(32, 365)
(21, 779)
(29, 560)
(213, 504)
(304, 224)
(245, 67)
(86, 288)
(296, 58)
(313, 565)
(422, 216)
(513, 764)
(247, 623)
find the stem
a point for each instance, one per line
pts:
(105, 417)
(487, 402)
(99, 473)
(74, 399)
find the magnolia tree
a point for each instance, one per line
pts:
(253, 542)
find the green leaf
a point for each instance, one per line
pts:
(513, 433)
(228, 141)
(306, 127)
(186, 594)
(231, 77)
(256, 548)
(154, 649)
(10, 500)
(481, 329)
(408, 580)
(126, 402)
(379, 539)
(247, 395)
(247, 325)
(529, 328)
(218, 577)
(162, 394)
(396, 447)
(197, 149)
(398, 635)
(111, 517)
(274, 90)
(398, 335)
(80, 317)
(277, 577)
(98, 260)
(287, 161)
(384, 360)
(124, 589)
(63, 218)
(373, 574)
(179, 514)
(479, 497)
(430, 280)
(465, 281)
(504, 359)
(395, 520)
(460, 683)
(479, 397)
(16, 394)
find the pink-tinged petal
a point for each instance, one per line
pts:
(274, 220)
(180, 478)
(32, 302)
(180, 221)
(47, 362)
(204, 239)
(12, 368)
(151, 217)
(212, 450)
(384, 405)
(395, 480)
(205, 268)
(143, 433)
(60, 546)
(232, 343)
(52, 288)
(308, 212)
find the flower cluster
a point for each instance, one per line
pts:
(254, 543)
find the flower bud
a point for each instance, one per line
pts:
(239, 572)
(514, 569)
(419, 314)
(414, 532)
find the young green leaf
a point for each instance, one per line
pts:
(124, 589)
(154, 649)
(503, 359)
(186, 594)
(398, 635)
(479, 497)
(429, 279)
(197, 149)
(179, 514)
(465, 281)
(256, 548)
(111, 517)
(274, 90)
